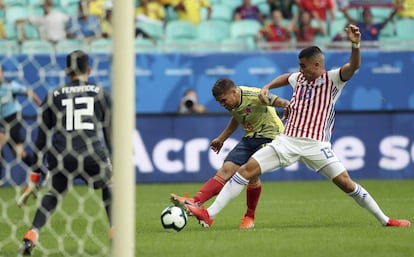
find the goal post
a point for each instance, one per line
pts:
(123, 88)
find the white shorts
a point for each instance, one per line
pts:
(285, 150)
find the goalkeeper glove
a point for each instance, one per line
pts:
(32, 188)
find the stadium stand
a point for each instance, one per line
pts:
(154, 30)
(64, 46)
(144, 45)
(37, 47)
(101, 46)
(9, 47)
(220, 29)
(178, 29)
(222, 12)
(213, 30)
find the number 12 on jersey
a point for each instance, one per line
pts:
(76, 109)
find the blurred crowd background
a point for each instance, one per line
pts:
(41, 26)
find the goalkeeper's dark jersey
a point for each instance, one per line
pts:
(78, 117)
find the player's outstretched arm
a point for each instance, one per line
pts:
(277, 82)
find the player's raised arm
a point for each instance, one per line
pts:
(348, 69)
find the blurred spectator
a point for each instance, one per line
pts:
(407, 8)
(106, 23)
(304, 30)
(97, 8)
(248, 11)
(2, 33)
(369, 30)
(189, 103)
(150, 11)
(51, 26)
(85, 26)
(319, 8)
(190, 10)
(274, 32)
(285, 6)
(2, 20)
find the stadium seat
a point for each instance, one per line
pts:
(213, 30)
(380, 14)
(35, 2)
(232, 3)
(215, 2)
(336, 26)
(102, 45)
(67, 2)
(35, 11)
(9, 47)
(405, 29)
(170, 14)
(154, 30)
(222, 12)
(177, 44)
(144, 45)
(180, 29)
(233, 45)
(10, 31)
(389, 30)
(244, 28)
(37, 47)
(31, 31)
(9, 3)
(69, 45)
(264, 9)
(69, 7)
(16, 12)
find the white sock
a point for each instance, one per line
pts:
(364, 199)
(231, 189)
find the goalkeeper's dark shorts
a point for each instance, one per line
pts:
(94, 169)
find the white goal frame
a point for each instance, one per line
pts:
(123, 88)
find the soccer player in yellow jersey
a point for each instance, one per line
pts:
(260, 124)
(190, 10)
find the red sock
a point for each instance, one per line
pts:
(252, 198)
(211, 188)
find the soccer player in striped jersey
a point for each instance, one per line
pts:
(310, 121)
(260, 124)
(77, 118)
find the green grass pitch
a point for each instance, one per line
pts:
(311, 218)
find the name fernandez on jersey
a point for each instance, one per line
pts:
(77, 89)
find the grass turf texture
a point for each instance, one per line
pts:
(312, 219)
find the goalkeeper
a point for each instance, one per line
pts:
(79, 116)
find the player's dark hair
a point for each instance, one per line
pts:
(310, 52)
(222, 86)
(77, 62)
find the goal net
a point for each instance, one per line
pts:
(79, 226)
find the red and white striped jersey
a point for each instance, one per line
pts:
(311, 109)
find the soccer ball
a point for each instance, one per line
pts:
(173, 217)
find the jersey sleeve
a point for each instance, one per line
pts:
(293, 79)
(336, 77)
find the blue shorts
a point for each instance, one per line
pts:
(245, 149)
